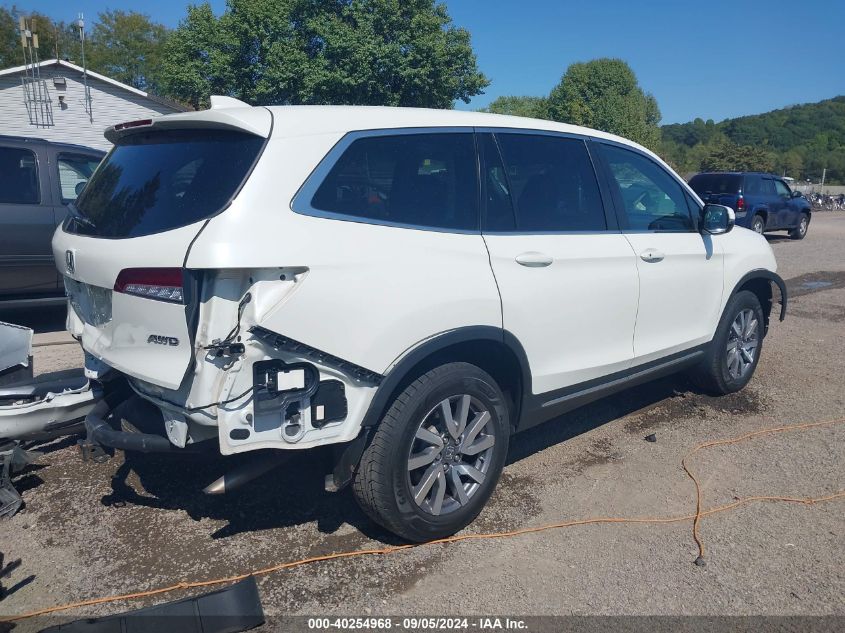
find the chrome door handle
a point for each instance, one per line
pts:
(652, 256)
(534, 259)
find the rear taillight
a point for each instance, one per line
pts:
(740, 204)
(162, 284)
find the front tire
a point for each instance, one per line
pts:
(800, 231)
(436, 455)
(735, 351)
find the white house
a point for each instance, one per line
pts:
(54, 106)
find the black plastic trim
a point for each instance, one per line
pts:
(287, 344)
(229, 610)
(542, 407)
(395, 376)
(768, 275)
(100, 432)
(532, 409)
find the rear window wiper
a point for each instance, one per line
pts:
(77, 215)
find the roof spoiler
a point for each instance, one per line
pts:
(225, 113)
(219, 102)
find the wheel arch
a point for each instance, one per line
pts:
(496, 351)
(492, 349)
(760, 282)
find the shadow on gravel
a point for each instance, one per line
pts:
(660, 403)
(594, 415)
(293, 494)
(6, 570)
(289, 495)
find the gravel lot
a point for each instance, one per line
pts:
(97, 529)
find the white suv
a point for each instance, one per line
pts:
(411, 286)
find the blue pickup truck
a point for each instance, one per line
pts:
(762, 202)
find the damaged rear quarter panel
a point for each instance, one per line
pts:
(372, 292)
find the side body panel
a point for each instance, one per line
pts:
(370, 292)
(680, 294)
(575, 318)
(744, 252)
(26, 263)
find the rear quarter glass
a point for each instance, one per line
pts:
(161, 180)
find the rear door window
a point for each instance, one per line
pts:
(769, 187)
(711, 184)
(551, 184)
(160, 180)
(18, 176)
(753, 186)
(651, 199)
(75, 170)
(413, 180)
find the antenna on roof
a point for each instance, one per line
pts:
(36, 96)
(80, 24)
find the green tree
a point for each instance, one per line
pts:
(803, 138)
(55, 39)
(533, 107)
(10, 44)
(370, 52)
(196, 61)
(727, 156)
(50, 36)
(604, 94)
(128, 46)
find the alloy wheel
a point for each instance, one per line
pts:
(758, 226)
(743, 340)
(802, 226)
(451, 454)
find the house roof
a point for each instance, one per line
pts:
(114, 82)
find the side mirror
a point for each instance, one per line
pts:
(717, 219)
(80, 186)
(796, 194)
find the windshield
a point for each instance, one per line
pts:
(716, 183)
(160, 180)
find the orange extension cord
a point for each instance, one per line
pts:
(696, 518)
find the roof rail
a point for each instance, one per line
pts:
(219, 101)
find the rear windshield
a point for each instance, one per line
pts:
(157, 181)
(716, 183)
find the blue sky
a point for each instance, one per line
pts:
(711, 59)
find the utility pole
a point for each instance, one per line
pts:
(824, 173)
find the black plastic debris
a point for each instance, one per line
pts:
(235, 608)
(12, 460)
(651, 438)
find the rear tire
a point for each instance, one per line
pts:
(735, 350)
(419, 476)
(800, 231)
(758, 224)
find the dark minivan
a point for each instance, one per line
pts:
(762, 202)
(38, 179)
